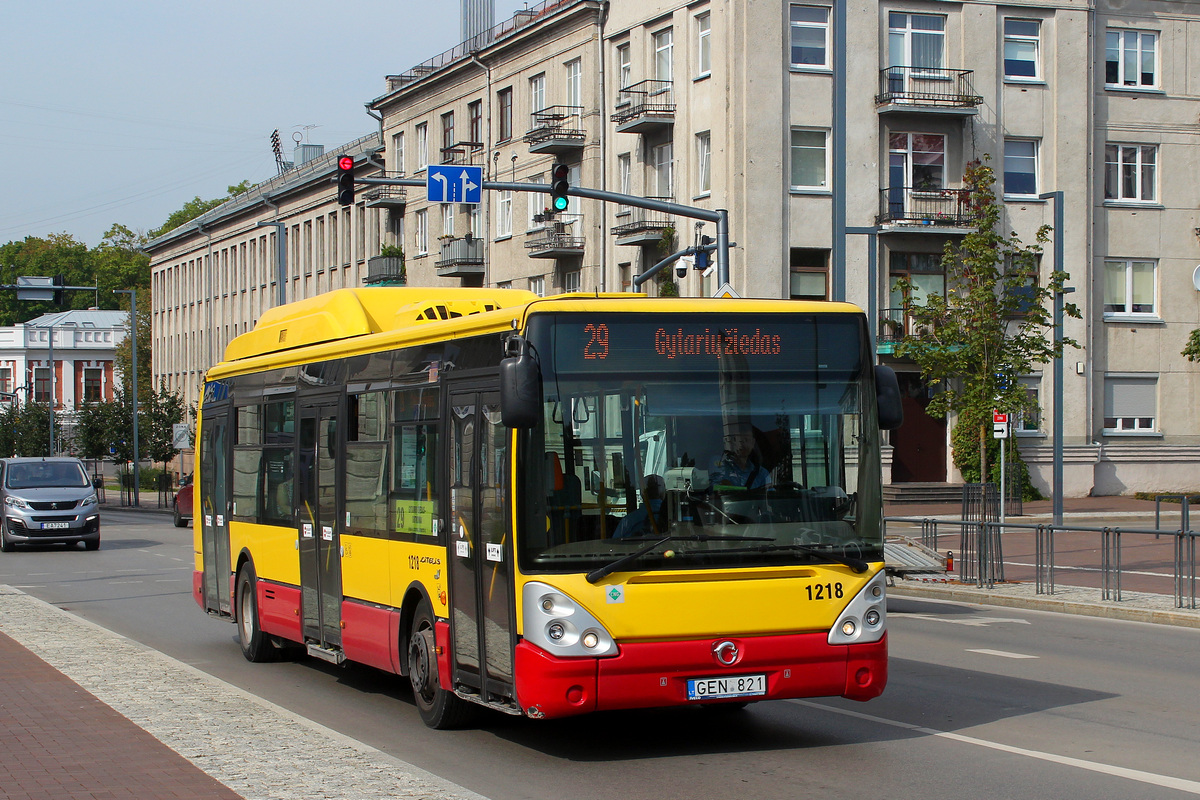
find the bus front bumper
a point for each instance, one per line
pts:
(657, 674)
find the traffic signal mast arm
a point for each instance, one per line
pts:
(720, 216)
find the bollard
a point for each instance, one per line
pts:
(949, 561)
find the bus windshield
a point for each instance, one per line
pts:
(748, 440)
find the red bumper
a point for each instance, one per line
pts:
(655, 675)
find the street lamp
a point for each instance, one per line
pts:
(133, 362)
(1057, 488)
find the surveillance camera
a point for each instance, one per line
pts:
(681, 271)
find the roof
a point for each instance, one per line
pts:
(90, 318)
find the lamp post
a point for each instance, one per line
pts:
(1057, 488)
(133, 368)
(50, 404)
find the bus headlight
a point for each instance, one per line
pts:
(560, 626)
(864, 619)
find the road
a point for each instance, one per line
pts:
(981, 700)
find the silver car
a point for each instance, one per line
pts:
(47, 501)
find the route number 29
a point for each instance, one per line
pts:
(597, 345)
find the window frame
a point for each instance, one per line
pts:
(1114, 172)
(1017, 39)
(664, 54)
(663, 169)
(704, 164)
(1129, 268)
(537, 93)
(1035, 172)
(1132, 424)
(421, 232)
(703, 44)
(825, 185)
(422, 146)
(906, 34)
(795, 25)
(504, 214)
(1121, 64)
(504, 120)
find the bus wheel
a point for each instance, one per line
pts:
(256, 647)
(439, 709)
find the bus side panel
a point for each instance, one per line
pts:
(279, 610)
(272, 548)
(366, 574)
(370, 635)
(421, 563)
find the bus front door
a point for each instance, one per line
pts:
(480, 550)
(212, 513)
(317, 487)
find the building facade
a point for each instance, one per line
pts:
(836, 134)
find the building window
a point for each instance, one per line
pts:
(474, 218)
(1129, 287)
(704, 162)
(809, 273)
(664, 46)
(538, 286)
(917, 161)
(537, 93)
(703, 45)
(1020, 168)
(624, 71)
(422, 146)
(6, 380)
(537, 203)
(1130, 403)
(475, 121)
(398, 152)
(504, 128)
(1130, 172)
(571, 281)
(662, 162)
(1131, 59)
(422, 232)
(448, 137)
(923, 270)
(504, 214)
(575, 83)
(810, 36)
(447, 219)
(1030, 421)
(41, 385)
(93, 381)
(917, 40)
(625, 178)
(1022, 38)
(810, 159)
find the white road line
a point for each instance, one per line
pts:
(1097, 569)
(1001, 653)
(976, 622)
(1152, 778)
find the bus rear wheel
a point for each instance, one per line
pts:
(439, 708)
(256, 646)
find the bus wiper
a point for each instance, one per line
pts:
(856, 564)
(597, 575)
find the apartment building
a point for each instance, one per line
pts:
(836, 134)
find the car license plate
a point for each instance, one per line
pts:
(731, 686)
(51, 525)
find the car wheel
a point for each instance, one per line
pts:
(180, 522)
(6, 544)
(439, 708)
(256, 646)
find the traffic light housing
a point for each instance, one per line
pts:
(59, 294)
(560, 183)
(345, 180)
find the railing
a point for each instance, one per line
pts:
(645, 219)
(463, 153)
(557, 237)
(981, 559)
(927, 86)
(466, 251)
(646, 98)
(556, 122)
(384, 269)
(397, 193)
(926, 206)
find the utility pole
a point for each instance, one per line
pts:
(133, 368)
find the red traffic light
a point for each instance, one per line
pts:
(345, 163)
(560, 172)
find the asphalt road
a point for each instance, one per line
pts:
(999, 702)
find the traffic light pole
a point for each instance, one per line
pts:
(720, 216)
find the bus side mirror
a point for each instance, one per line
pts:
(520, 385)
(887, 396)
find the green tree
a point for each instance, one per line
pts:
(121, 263)
(26, 430)
(992, 326)
(123, 356)
(57, 254)
(195, 207)
(156, 420)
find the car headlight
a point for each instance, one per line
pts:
(91, 499)
(16, 502)
(560, 626)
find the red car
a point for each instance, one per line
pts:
(183, 502)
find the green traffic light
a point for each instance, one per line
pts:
(560, 203)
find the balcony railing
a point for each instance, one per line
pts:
(927, 86)
(460, 257)
(385, 270)
(463, 153)
(932, 207)
(557, 241)
(557, 129)
(644, 105)
(387, 196)
(644, 225)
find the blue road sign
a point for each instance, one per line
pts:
(454, 183)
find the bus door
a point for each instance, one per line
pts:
(212, 512)
(318, 483)
(480, 549)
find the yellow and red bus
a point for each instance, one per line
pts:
(552, 506)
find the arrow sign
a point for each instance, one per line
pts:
(454, 183)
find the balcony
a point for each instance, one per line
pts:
(394, 197)
(556, 241)
(385, 271)
(893, 325)
(940, 210)
(927, 90)
(557, 129)
(460, 258)
(643, 225)
(645, 107)
(463, 153)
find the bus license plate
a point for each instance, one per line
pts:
(51, 525)
(732, 686)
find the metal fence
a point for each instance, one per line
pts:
(980, 558)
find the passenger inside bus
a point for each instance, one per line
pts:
(650, 518)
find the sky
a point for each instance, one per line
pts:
(123, 111)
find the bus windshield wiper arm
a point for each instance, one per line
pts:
(856, 564)
(597, 575)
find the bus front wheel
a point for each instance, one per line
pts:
(439, 708)
(256, 647)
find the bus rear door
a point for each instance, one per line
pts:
(318, 485)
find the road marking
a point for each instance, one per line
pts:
(975, 622)
(118, 582)
(1152, 778)
(1097, 569)
(1001, 653)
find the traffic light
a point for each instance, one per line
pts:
(345, 180)
(59, 282)
(560, 175)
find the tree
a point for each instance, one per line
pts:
(57, 254)
(25, 430)
(120, 262)
(156, 420)
(992, 326)
(123, 356)
(195, 207)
